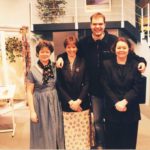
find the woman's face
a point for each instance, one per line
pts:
(71, 50)
(44, 55)
(122, 49)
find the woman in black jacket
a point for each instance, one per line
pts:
(121, 83)
(73, 86)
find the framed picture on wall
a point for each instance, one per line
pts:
(97, 5)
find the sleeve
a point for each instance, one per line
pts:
(30, 77)
(137, 58)
(60, 86)
(132, 95)
(106, 82)
(85, 84)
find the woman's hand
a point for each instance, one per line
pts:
(71, 104)
(75, 105)
(59, 62)
(121, 105)
(34, 117)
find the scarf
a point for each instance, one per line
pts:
(47, 71)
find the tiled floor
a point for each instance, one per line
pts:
(21, 139)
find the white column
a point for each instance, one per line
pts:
(76, 14)
(122, 13)
(4, 61)
(30, 15)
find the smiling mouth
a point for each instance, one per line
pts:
(121, 53)
(45, 57)
(98, 30)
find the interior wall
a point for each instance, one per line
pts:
(14, 13)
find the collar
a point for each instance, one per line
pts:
(104, 39)
(95, 38)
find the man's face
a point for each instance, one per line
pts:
(98, 26)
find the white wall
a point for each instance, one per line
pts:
(14, 13)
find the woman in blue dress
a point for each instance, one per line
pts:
(46, 127)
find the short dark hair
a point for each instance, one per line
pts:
(98, 15)
(123, 39)
(70, 40)
(42, 44)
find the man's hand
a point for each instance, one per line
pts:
(59, 62)
(141, 67)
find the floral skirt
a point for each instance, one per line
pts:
(77, 130)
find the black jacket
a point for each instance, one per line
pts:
(73, 84)
(121, 82)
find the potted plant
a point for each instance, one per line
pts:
(49, 10)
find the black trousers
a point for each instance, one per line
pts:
(121, 135)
